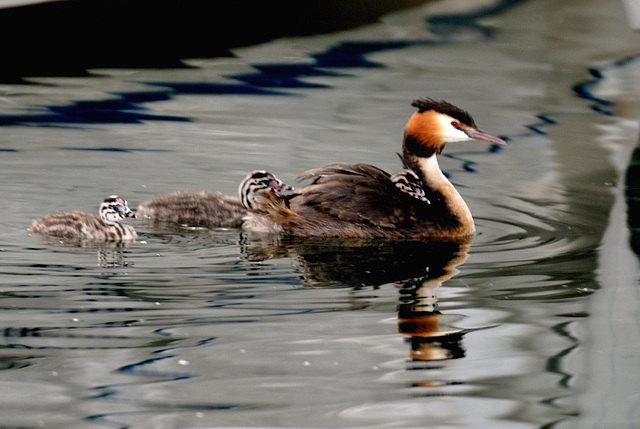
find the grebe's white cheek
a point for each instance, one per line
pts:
(449, 133)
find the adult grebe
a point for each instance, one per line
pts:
(361, 201)
(212, 208)
(81, 225)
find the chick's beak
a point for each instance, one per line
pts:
(128, 213)
(280, 186)
(481, 135)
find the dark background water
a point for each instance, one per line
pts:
(68, 37)
(533, 324)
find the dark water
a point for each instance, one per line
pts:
(533, 324)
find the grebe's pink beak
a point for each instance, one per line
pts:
(481, 135)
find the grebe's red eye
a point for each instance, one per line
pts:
(454, 124)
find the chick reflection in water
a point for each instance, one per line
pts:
(417, 267)
(110, 254)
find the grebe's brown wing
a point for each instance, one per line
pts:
(359, 193)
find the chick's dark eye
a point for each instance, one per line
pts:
(454, 124)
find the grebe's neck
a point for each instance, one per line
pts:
(434, 181)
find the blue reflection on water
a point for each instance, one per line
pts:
(113, 149)
(269, 79)
(583, 89)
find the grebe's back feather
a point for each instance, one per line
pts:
(194, 208)
(326, 206)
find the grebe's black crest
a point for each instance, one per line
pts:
(441, 106)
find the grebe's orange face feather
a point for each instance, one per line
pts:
(437, 123)
(425, 127)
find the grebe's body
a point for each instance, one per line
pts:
(359, 200)
(211, 208)
(89, 226)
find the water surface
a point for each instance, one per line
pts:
(531, 324)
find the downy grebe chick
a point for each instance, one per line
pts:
(359, 200)
(211, 208)
(89, 226)
(409, 182)
(257, 182)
